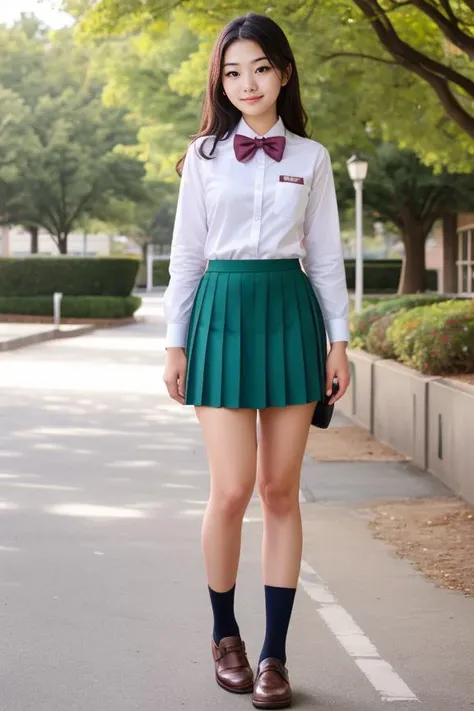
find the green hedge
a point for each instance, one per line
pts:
(377, 340)
(436, 339)
(383, 276)
(107, 307)
(362, 323)
(161, 275)
(41, 276)
(380, 276)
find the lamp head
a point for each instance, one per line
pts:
(357, 168)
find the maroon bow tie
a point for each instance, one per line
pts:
(245, 147)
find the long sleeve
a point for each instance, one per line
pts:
(187, 261)
(324, 260)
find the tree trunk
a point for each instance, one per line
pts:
(34, 239)
(62, 244)
(145, 247)
(450, 250)
(412, 278)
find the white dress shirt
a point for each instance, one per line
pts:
(233, 210)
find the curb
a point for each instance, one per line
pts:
(36, 338)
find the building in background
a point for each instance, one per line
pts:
(451, 252)
(16, 242)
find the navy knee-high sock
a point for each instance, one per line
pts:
(225, 624)
(279, 606)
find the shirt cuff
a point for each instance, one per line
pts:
(176, 335)
(338, 330)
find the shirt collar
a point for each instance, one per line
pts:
(278, 129)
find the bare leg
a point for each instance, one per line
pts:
(283, 437)
(230, 437)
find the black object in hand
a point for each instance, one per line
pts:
(323, 412)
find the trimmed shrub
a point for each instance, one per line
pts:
(362, 322)
(161, 276)
(378, 341)
(380, 276)
(72, 276)
(383, 275)
(106, 307)
(436, 339)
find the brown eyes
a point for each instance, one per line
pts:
(261, 70)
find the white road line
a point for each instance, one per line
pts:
(379, 673)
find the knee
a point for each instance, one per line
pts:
(231, 502)
(278, 498)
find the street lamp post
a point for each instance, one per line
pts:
(357, 169)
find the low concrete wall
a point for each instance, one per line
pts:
(430, 419)
(400, 409)
(358, 401)
(451, 435)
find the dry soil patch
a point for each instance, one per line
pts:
(349, 444)
(436, 535)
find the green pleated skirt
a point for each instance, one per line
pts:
(256, 337)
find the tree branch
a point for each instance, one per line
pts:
(450, 28)
(434, 73)
(80, 206)
(403, 51)
(449, 11)
(329, 57)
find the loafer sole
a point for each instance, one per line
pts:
(272, 704)
(234, 689)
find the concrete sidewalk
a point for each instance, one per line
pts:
(18, 335)
(103, 485)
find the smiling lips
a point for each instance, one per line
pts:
(251, 99)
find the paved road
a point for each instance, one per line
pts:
(102, 592)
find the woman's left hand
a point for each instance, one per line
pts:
(337, 368)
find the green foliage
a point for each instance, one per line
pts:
(68, 149)
(346, 72)
(140, 74)
(161, 274)
(377, 340)
(70, 276)
(436, 339)
(147, 222)
(361, 323)
(83, 307)
(158, 68)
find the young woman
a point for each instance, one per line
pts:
(246, 326)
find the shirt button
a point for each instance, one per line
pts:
(257, 218)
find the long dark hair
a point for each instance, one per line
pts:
(219, 116)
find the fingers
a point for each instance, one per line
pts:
(339, 394)
(343, 381)
(330, 376)
(175, 383)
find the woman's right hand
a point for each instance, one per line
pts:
(175, 373)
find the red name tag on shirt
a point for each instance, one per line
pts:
(291, 179)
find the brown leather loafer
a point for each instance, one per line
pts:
(272, 688)
(233, 672)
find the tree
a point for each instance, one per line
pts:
(76, 158)
(147, 221)
(138, 74)
(400, 190)
(452, 76)
(338, 48)
(357, 96)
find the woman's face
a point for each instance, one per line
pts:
(250, 82)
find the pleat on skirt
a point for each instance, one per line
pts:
(256, 337)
